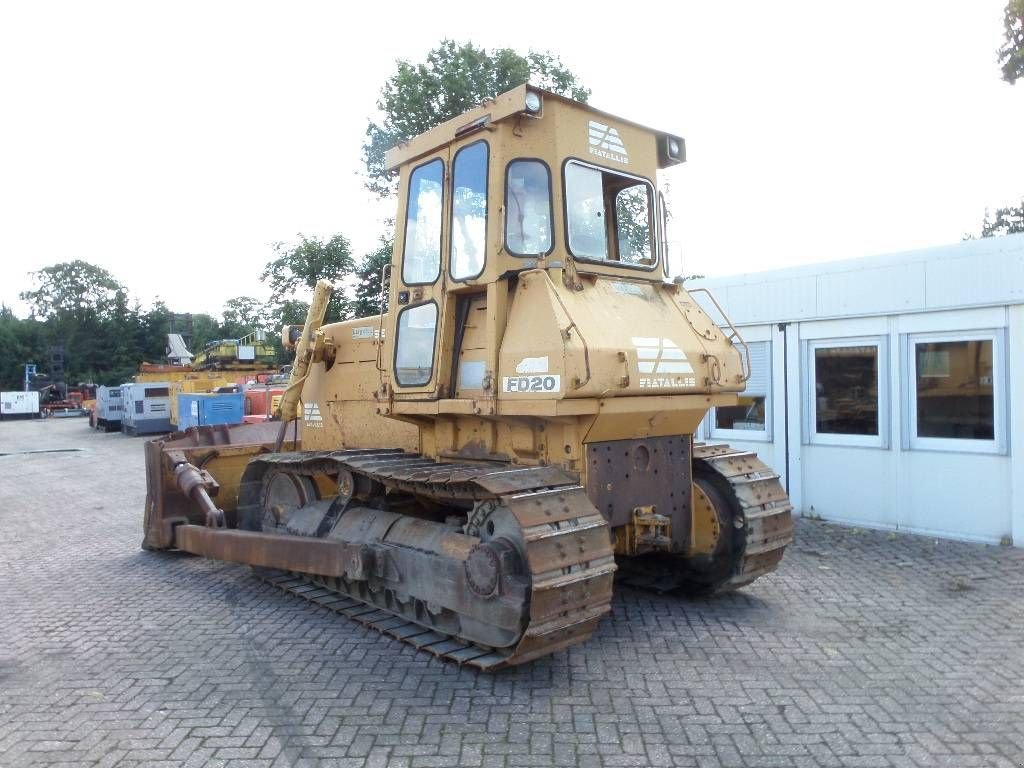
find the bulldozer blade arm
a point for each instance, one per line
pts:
(223, 451)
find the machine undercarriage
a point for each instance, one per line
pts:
(481, 563)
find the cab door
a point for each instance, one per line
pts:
(440, 258)
(418, 276)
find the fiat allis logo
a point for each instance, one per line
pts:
(605, 142)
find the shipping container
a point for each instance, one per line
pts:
(109, 408)
(204, 409)
(147, 408)
(23, 405)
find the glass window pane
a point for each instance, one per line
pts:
(633, 219)
(422, 250)
(469, 211)
(846, 401)
(954, 390)
(610, 216)
(414, 353)
(585, 206)
(749, 414)
(528, 208)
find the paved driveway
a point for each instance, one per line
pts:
(865, 649)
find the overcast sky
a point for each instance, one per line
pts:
(173, 143)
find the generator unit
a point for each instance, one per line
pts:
(262, 402)
(109, 408)
(147, 408)
(206, 409)
(19, 405)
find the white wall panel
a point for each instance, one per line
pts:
(971, 286)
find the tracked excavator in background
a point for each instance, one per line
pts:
(468, 470)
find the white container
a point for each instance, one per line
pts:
(19, 404)
(109, 408)
(147, 408)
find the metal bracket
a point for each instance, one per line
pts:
(651, 531)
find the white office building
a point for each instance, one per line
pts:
(888, 391)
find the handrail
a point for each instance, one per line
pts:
(385, 278)
(734, 335)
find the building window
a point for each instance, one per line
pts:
(846, 398)
(752, 415)
(469, 211)
(528, 208)
(956, 398)
(421, 258)
(414, 349)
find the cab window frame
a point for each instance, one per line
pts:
(651, 215)
(433, 344)
(405, 224)
(551, 209)
(451, 211)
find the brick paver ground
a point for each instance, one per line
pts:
(865, 649)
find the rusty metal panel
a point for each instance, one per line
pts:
(289, 553)
(551, 506)
(564, 593)
(524, 478)
(652, 471)
(586, 543)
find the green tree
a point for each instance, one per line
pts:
(297, 267)
(1006, 221)
(368, 280)
(1011, 53)
(454, 77)
(243, 315)
(204, 329)
(71, 289)
(288, 312)
(77, 302)
(21, 341)
(1011, 59)
(151, 330)
(122, 349)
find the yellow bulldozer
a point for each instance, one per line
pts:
(467, 470)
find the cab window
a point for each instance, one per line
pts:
(421, 257)
(609, 216)
(469, 211)
(528, 208)
(414, 349)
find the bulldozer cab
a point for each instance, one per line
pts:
(528, 181)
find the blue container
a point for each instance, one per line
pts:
(200, 410)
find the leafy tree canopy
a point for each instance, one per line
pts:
(368, 276)
(1006, 221)
(1011, 53)
(297, 267)
(454, 77)
(243, 315)
(72, 289)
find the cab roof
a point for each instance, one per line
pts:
(509, 104)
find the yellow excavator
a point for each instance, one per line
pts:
(467, 470)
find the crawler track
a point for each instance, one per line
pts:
(566, 549)
(761, 520)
